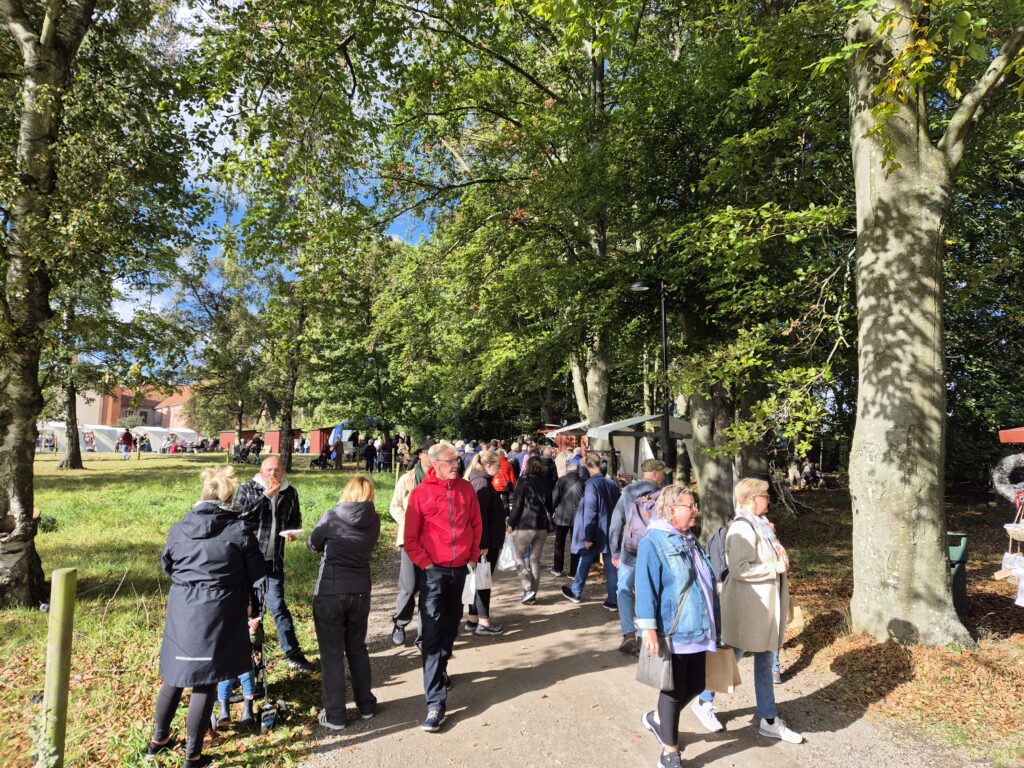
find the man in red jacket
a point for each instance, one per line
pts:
(442, 536)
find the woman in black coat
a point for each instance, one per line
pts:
(484, 466)
(529, 521)
(566, 497)
(215, 566)
(345, 538)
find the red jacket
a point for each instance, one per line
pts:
(505, 480)
(442, 523)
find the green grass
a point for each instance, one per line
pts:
(112, 521)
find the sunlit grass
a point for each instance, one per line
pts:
(112, 521)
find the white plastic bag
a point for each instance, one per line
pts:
(507, 561)
(483, 575)
(469, 588)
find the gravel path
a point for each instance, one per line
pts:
(554, 691)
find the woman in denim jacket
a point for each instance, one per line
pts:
(675, 594)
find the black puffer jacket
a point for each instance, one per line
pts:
(214, 565)
(567, 495)
(532, 507)
(345, 538)
(492, 513)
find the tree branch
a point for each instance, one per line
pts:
(958, 132)
(49, 33)
(20, 25)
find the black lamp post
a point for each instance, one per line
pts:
(667, 446)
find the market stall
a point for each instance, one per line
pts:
(629, 439)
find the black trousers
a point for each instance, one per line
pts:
(688, 681)
(440, 614)
(200, 706)
(561, 534)
(340, 622)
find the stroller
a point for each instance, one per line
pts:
(240, 455)
(268, 711)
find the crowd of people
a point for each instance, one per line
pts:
(458, 508)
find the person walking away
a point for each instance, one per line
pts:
(270, 505)
(590, 532)
(532, 510)
(442, 535)
(345, 538)
(628, 519)
(676, 603)
(566, 498)
(505, 481)
(125, 443)
(256, 446)
(215, 567)
(484, 467)
(408, 583)
(755, 604)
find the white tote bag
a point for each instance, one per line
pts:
(507, 561)
(483, 575)
(469, 588)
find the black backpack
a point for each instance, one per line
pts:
(716, 550)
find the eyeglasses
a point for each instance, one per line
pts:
(446, 461)
(686, 506)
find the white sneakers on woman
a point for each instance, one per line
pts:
(779, 730)
(707, 714)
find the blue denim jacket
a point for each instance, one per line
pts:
(663, 571)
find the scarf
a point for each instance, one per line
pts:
(420, 473)
(761, 527)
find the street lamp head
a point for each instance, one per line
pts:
(641, 285)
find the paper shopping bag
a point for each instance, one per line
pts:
(721, 672)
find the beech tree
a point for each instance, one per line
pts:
(922, 77)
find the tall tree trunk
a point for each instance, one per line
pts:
(73, 450)
(579, 386)
(294, 361)
(598, 385)
(752, 460)
(46, 56)
(710, 414)
(897, 461)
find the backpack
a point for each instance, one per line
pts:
(716, 551)
(640, 513)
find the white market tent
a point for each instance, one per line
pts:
(157, 435)
(629, 438)
(104, 438)
(572, 430)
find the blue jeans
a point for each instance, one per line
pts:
(626, 576)
(764, 688)
(274, 600)
(124, 452)
(248, 688)
(587, 558)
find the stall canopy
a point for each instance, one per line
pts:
(158, 434)
(104, 439)
(572, 430)
(629, 438)
(1011, 435)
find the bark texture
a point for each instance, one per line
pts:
(710, 414)
(73, 450)
(293, 363)
(897, 460)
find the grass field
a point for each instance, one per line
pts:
(113, 518)
(112, 521)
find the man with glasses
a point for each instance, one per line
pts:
(442, 535)
(629, 521)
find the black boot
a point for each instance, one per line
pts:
(247, 721)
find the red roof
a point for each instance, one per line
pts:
(183, 397)
(1011, 435)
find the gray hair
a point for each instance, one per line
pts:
(669, 497)
(443, 447)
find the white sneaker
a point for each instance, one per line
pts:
(779, 730)
(708, 715)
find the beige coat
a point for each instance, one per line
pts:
(755, 599)
(400, 501)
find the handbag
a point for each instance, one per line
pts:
(469, 587)
(483, 575)
(507, 561)
(655, 669)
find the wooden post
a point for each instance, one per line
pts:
(58, 665)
